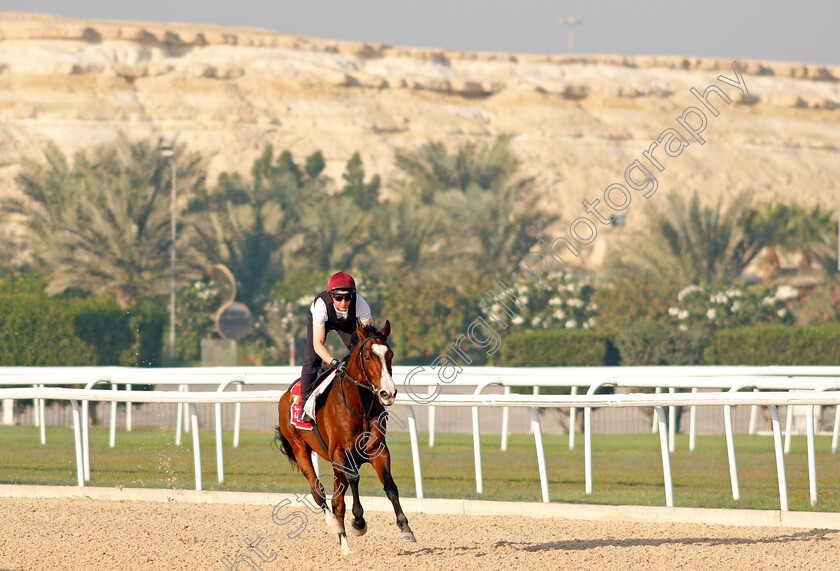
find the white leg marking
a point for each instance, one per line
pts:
(332, 522)
(345, 546)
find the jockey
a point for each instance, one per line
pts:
(335, 309)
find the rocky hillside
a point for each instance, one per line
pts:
(577, 121)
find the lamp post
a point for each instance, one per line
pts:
(571, 22)
(167, 152)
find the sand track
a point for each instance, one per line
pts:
(96, 534)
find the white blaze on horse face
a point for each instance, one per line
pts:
(386, 383)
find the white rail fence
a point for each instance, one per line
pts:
(572, 378)
(811, 398)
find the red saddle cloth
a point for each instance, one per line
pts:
(294, 411)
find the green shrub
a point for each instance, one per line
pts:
(16, 283)
(558, 348)
(37, 330)
(147, 323)
(625, 302)
(658, 344)
(101, 327)
(775, 345)
(428, 315)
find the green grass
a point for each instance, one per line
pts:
(627, 468)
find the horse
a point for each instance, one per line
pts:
(342, 433)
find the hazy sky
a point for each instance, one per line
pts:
(804, 31)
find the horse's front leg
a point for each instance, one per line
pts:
(382, 464)
(341, 468)
(358, 526)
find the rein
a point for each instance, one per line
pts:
(368, 385)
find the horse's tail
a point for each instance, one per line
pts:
(284, 446)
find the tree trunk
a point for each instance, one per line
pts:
(126, 296)
(771, 265)
(805, 262)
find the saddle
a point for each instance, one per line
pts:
(322, 384)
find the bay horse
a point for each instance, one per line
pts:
(351, 425)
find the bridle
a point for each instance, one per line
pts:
(367, 385)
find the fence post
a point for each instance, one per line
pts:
(780, 457)
(476, 426)
(40, 410)
(692, 425)
(432, 419)
(572, 422)
(666, 455)
(672, 423)
(587, 437)
(77, 438)
(128, 408)
(538, 441)
(112, 437)
(505, 422)
(8, 411)
(812, 457)
(415, 452)
(196, 445)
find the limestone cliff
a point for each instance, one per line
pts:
(577, 121)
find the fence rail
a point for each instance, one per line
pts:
(572, 378)
(823, 397)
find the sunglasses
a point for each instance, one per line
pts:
(342, 297)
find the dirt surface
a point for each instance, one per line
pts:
(95, 534)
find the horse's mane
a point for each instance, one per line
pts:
(371, 331)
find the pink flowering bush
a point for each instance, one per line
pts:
(820, 305)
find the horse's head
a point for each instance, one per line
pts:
(373, 359)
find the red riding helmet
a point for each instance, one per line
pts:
(341, 280)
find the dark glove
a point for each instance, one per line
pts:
(339, 366)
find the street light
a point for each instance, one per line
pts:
(571, 22)
(167, 153)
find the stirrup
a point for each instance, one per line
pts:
(302, 416)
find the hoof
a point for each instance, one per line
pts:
(357, 532)
(346, 551)
(407, 536)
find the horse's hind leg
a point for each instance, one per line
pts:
(382, 464)
(304, 461)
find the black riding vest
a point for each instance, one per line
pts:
(333, 322)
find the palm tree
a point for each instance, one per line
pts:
(407, 234)
(483, 216)
(432, 169)
(251, 226)
(789, 229)
(48, 197)
(103, 225)
(817, 236)
(775, 224)
(364, 194)
(492, 229)
(692, 243)
(337, 233)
